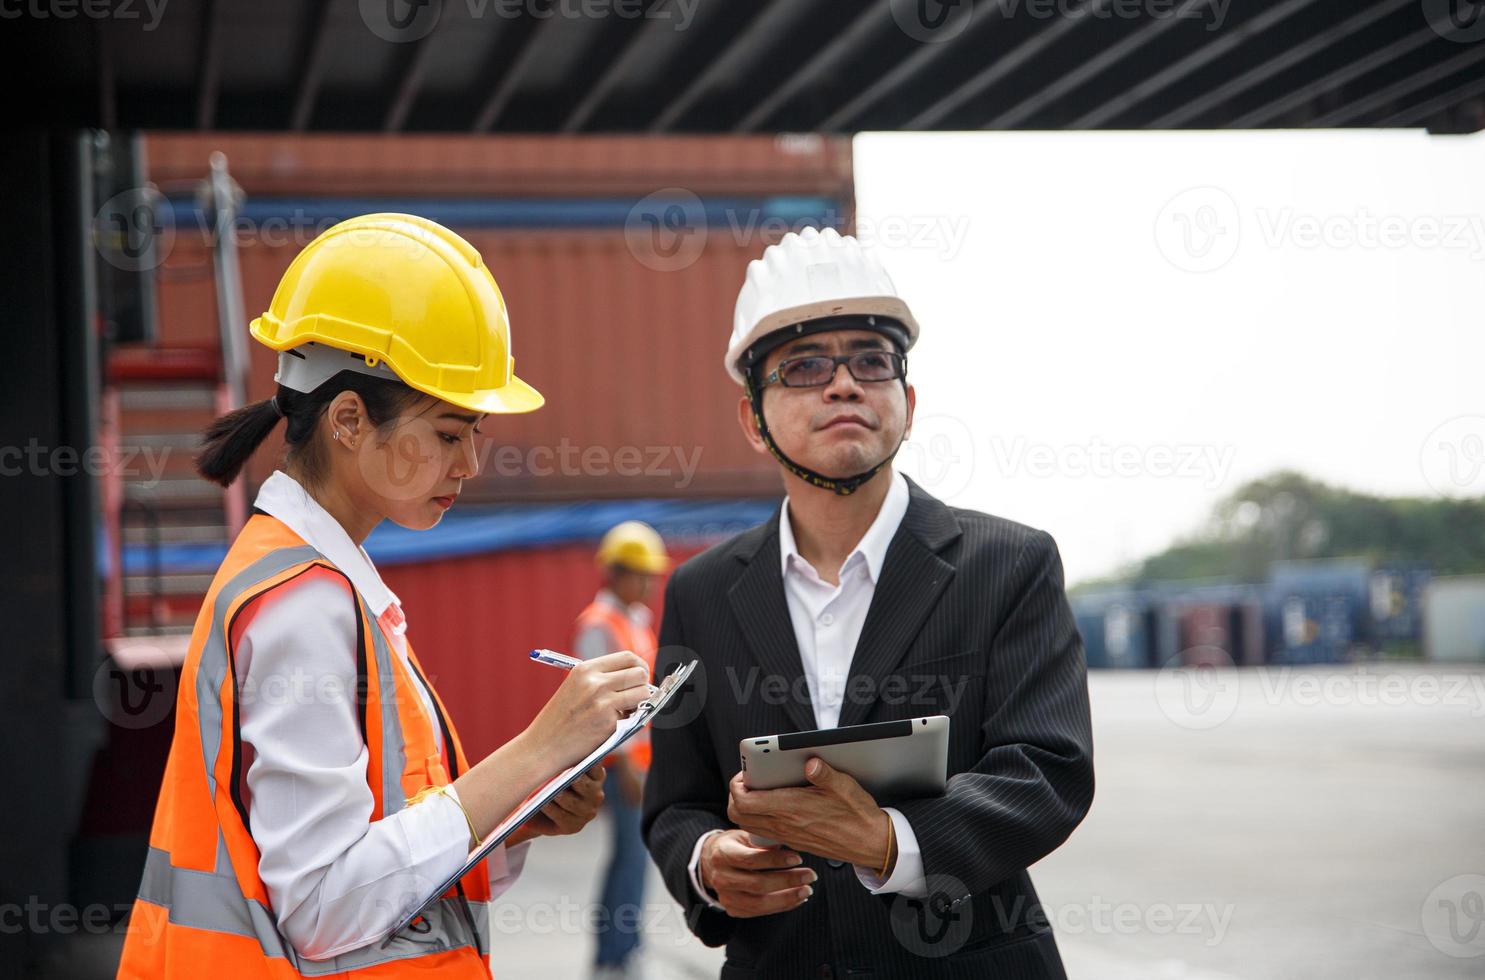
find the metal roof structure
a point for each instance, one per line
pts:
(716, 66)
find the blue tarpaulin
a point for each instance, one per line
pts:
(492, 529)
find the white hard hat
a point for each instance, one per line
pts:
(811, 275)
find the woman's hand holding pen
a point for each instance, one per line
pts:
(594, 696)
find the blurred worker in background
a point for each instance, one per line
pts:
(293, 832)
(632, 556)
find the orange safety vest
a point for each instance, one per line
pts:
(636, 639)
(202, 909)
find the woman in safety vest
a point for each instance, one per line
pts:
(316, 790)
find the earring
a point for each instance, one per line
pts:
(337, 433)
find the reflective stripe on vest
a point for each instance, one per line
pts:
(230, 900)
(214, 901)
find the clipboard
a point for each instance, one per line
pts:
(646, 712)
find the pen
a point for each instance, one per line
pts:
(555, 659)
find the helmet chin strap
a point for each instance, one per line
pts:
(841, 486)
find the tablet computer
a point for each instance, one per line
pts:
(890, 759)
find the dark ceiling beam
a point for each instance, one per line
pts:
(315, 52)
(108, 94)
(1000, 67)
(1416, 115)
(900, 74)
(1204, 55)
(209, 71)
(528, 52)
(1109, 56)
(1295, 98)
(410, 70)
(624, 62)
(869, 18)
(1181, 115)
(743, 47)
(1349, 113)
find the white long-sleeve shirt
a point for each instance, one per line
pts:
(336, 880)
(827, 621)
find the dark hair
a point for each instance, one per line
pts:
(228, 442)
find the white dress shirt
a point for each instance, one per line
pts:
(827, 622)
(336, 879)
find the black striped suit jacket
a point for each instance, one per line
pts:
(969, 618)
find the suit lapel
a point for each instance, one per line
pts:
(762, 614)
(913, 578)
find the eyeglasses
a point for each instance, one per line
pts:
(818, 369)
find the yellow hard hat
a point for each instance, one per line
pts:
(406, 292)
(634, 545)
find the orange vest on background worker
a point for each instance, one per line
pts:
(202, 909)
(636, 639)
(637, 547)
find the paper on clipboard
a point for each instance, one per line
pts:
(544, 794)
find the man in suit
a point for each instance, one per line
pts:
(864, 600)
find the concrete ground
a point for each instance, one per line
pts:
(1307, 823)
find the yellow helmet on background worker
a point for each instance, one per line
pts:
(400, 297)
(636, 546)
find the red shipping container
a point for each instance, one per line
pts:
(473, 621)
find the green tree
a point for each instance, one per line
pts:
(1287, 515)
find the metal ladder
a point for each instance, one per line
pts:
(157, 399)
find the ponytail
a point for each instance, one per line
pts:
(231, 440)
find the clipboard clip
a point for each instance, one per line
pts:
(663, 693)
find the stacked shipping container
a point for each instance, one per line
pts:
(1307, 612)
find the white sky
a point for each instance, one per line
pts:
(1121, 328)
